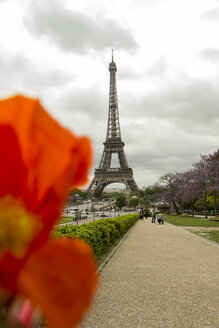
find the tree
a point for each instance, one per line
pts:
(213, 166)
(133, 202)
(202, 178)
(169, 180)
(187, 192)
(81, 193)
(195, 186)
(120, 201)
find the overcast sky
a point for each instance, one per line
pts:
(167, 56)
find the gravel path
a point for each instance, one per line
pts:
(160, 277)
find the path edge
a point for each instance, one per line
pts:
(211, 242)
(104, 263)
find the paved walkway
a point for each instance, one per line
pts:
(160, 277)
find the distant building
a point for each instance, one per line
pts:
(162, 205)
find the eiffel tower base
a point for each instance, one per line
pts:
(103, 178)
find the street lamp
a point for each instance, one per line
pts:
(93, 208)
(78, 200)
(103, 207)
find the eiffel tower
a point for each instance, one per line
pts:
(106, 174)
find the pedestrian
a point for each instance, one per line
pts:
(160, 218)
(146, 214)
(141, 214)
(153, 215)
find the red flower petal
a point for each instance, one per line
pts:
(55, 158)
(13, 173)
(61, 279)
(40, 161)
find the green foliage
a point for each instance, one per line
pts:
(154, 190)
(148, 194)
(120, 201)
(81, 193)
(67, 219)
(190, 221)
(133, 202)
(111, 195)
(107, 195)
(210, 235)
(200, 203)
(101, 234)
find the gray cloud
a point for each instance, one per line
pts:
(12, 67)
(159, 69)
(76, 32)
(87, 101)
(211, 54)
(160, 147)
(211, 15)
(192, 106)
(84, 110)
(18, 73)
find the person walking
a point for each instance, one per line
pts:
(146, 214)
(153, 215)
(141, 214)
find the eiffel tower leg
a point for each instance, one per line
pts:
(98, 191)
(95, 188)
(122, 158)
(132, 184)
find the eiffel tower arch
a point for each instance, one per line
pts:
(105, 174)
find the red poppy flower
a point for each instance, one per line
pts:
(40, 161)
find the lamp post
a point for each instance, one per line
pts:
(78, 199)
(103, 207)
(93, 208)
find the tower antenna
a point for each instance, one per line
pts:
(112, 55)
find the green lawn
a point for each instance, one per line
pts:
(210, 235)
(196, 222)
(67, 219)
(190, 221)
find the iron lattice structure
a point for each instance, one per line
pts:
(106, 174)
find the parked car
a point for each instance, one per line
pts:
(84, 214)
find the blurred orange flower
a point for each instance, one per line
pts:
(40, 161)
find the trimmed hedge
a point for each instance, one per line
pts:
(101, 234)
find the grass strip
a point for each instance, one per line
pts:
(190, 221)
(212, 235)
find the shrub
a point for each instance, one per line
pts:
(101, 234)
